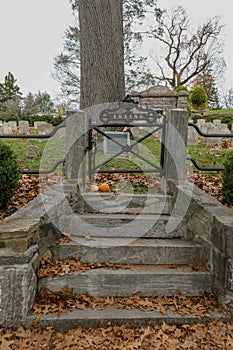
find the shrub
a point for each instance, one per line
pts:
(35, 118)
(9, 174)
(227, 188)
(227, 120)
(198, 97)
(181, 88)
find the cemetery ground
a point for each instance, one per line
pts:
(204, 335)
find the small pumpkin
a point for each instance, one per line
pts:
(94, 188)
(104, 188)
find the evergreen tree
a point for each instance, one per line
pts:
(9, 89)
(30, 105)
(44, 103)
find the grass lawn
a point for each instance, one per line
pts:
(54, 149)
(49, 152)
(219, 111)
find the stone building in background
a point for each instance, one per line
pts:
(161, 98)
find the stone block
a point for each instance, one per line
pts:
(207, 248)
(219, 266)
(228, 232)
(153, 280)
(218, 237)
(18, 235)
(229, 274)
(18, 285)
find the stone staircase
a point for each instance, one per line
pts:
(128, 229)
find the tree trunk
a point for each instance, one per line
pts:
(101, 52)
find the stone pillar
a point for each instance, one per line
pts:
(175, 146)
(76, 145)
(18, 263)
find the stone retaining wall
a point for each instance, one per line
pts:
(25, 237)
(210, 223)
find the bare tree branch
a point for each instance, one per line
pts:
(188, 51)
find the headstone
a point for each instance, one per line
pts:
(112, 147)
(214, 152)
(39, 123)
(200, 123)
(211, 141)
(13, 125)
(24, 127)
(192, 136)
(6, 129)
(44, 129)
(217, 123)
(223, 129)
(1, 129)
(32, 151)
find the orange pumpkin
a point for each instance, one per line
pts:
(104, 188)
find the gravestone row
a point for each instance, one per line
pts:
(215, 127)
(7, 128)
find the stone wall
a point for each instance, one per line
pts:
(161, 98)
(209, 223)
(25, 237)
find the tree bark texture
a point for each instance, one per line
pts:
(101, 52)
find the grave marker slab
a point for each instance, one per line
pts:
(112, 147)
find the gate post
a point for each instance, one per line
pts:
(76, 145)
(175, 151)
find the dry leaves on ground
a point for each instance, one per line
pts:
(122, 182)
(49, 268)
(28, 188)
(212, 185)
(66, 300)
(215, 335)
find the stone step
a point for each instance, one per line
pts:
(127, 203)
(130, 251)
(148, 280)
(122, 225)
(91, 318)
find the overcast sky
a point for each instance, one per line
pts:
(31, 34)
